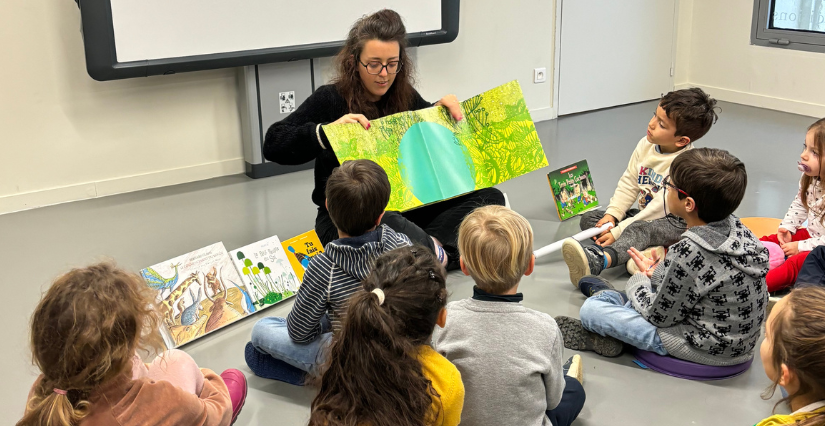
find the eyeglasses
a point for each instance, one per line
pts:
(673, 220)
(375, 67)
(666, 183)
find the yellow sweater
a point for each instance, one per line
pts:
(790, 419)
(447, 382)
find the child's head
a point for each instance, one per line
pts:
(811, 158)
(793, 351)
(373, 375)
(357, 193)
(496, 247)
(682, 116)
(84, 332)
(707, 183)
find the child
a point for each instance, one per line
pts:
(284, 349)
(793, 355)
(381, 370)
(705, 302)
(796, 241)
(84, 336)
(682, 117)
(506, 352)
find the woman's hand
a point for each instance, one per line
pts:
(354, 118)
(646, 265)
(791, 248)
(453, 106)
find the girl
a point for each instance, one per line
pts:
(797, 242)
(793, 355)
(375, 77)
(381, 369)
(84, 336)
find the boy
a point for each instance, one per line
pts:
(356, 195)
(682, 117)
(510, 357)
(705, 302)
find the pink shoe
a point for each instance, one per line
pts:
(236, 383)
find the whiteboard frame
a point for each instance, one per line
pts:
(101, 56)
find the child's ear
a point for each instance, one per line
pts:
(788, 379)
(690, 204)
(531, 266)
(442, 318)
(326, 203)
(378, 221)
(683, 141)
(463, 266)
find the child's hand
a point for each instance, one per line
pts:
(645, 264)
(605, 219)
(791, 248)
(784, 236)
(606, 239)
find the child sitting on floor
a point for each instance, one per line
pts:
(705, 302)
(682, 117)
(808, 205)
(285, 349)
(506, 352)
(84, 335)
(381, 369)
(793, 354)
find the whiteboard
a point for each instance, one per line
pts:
(158, 29)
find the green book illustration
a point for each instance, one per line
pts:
(573, 190)
(429, 157)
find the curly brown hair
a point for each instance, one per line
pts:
(84, 332)
(373, 375)
(385, 25)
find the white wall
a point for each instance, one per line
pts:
(714, 52)
(67, 137)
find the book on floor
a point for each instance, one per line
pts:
(300, 251)
(573, 190)
(266, 272)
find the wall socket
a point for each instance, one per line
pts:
(539, 75)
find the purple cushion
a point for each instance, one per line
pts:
(689, 370)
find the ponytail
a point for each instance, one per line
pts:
(54, 407)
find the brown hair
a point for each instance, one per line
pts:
(357, 193)
(84, 332)
(819, 141)
(373, 375)
(798, 337)
(692, 110)
(496, 245)
(714, 178)
(385, 25)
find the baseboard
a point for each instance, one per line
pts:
(762, 101)
(88, 190)
(543, 114)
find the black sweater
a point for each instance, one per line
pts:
(293, 140)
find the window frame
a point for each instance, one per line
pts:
(762, 35)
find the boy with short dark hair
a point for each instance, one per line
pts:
(505, 352)
(682, 117)
(705, 302)
(356, 194)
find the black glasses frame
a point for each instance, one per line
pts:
(383, 67)
(673, 220)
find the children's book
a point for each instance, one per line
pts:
(266, 272)
(198, 293)
(573, 190)
(300, 250)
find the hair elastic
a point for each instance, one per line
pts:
(59, 391)
(380, 293)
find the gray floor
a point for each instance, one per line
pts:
(143, 228)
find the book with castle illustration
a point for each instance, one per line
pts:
(573, 190)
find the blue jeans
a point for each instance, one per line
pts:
(270, 335)
(607, 314)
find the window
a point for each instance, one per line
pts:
(789, 24)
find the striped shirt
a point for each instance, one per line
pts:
(335, 275)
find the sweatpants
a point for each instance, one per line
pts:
(785, 275)
(571, 404)
(641, 234)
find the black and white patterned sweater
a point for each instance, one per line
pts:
(708, 297)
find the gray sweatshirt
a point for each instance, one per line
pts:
(708, 297)
(510, 359)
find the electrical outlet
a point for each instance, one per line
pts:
(539, 75)
(287, 100)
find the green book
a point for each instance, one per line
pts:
(573, 190)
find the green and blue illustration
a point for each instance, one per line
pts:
(429, 157)
(266, 271)
(573, 190)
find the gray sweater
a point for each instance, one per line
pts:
(510, 359)
(708, 297)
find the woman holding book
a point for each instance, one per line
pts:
(374, 79)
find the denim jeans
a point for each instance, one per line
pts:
(605, 313)
(271, 336)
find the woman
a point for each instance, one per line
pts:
(375, 79)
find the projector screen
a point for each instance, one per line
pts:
(134, 38)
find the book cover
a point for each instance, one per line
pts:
(198, 292)
(573, 190)
(301, 249)
(266, 272)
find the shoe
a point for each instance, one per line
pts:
(591, 284)
(580, 260)
(264, 365)
(573, 368)
(660, 251)
(577, 338)
(236, 383)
